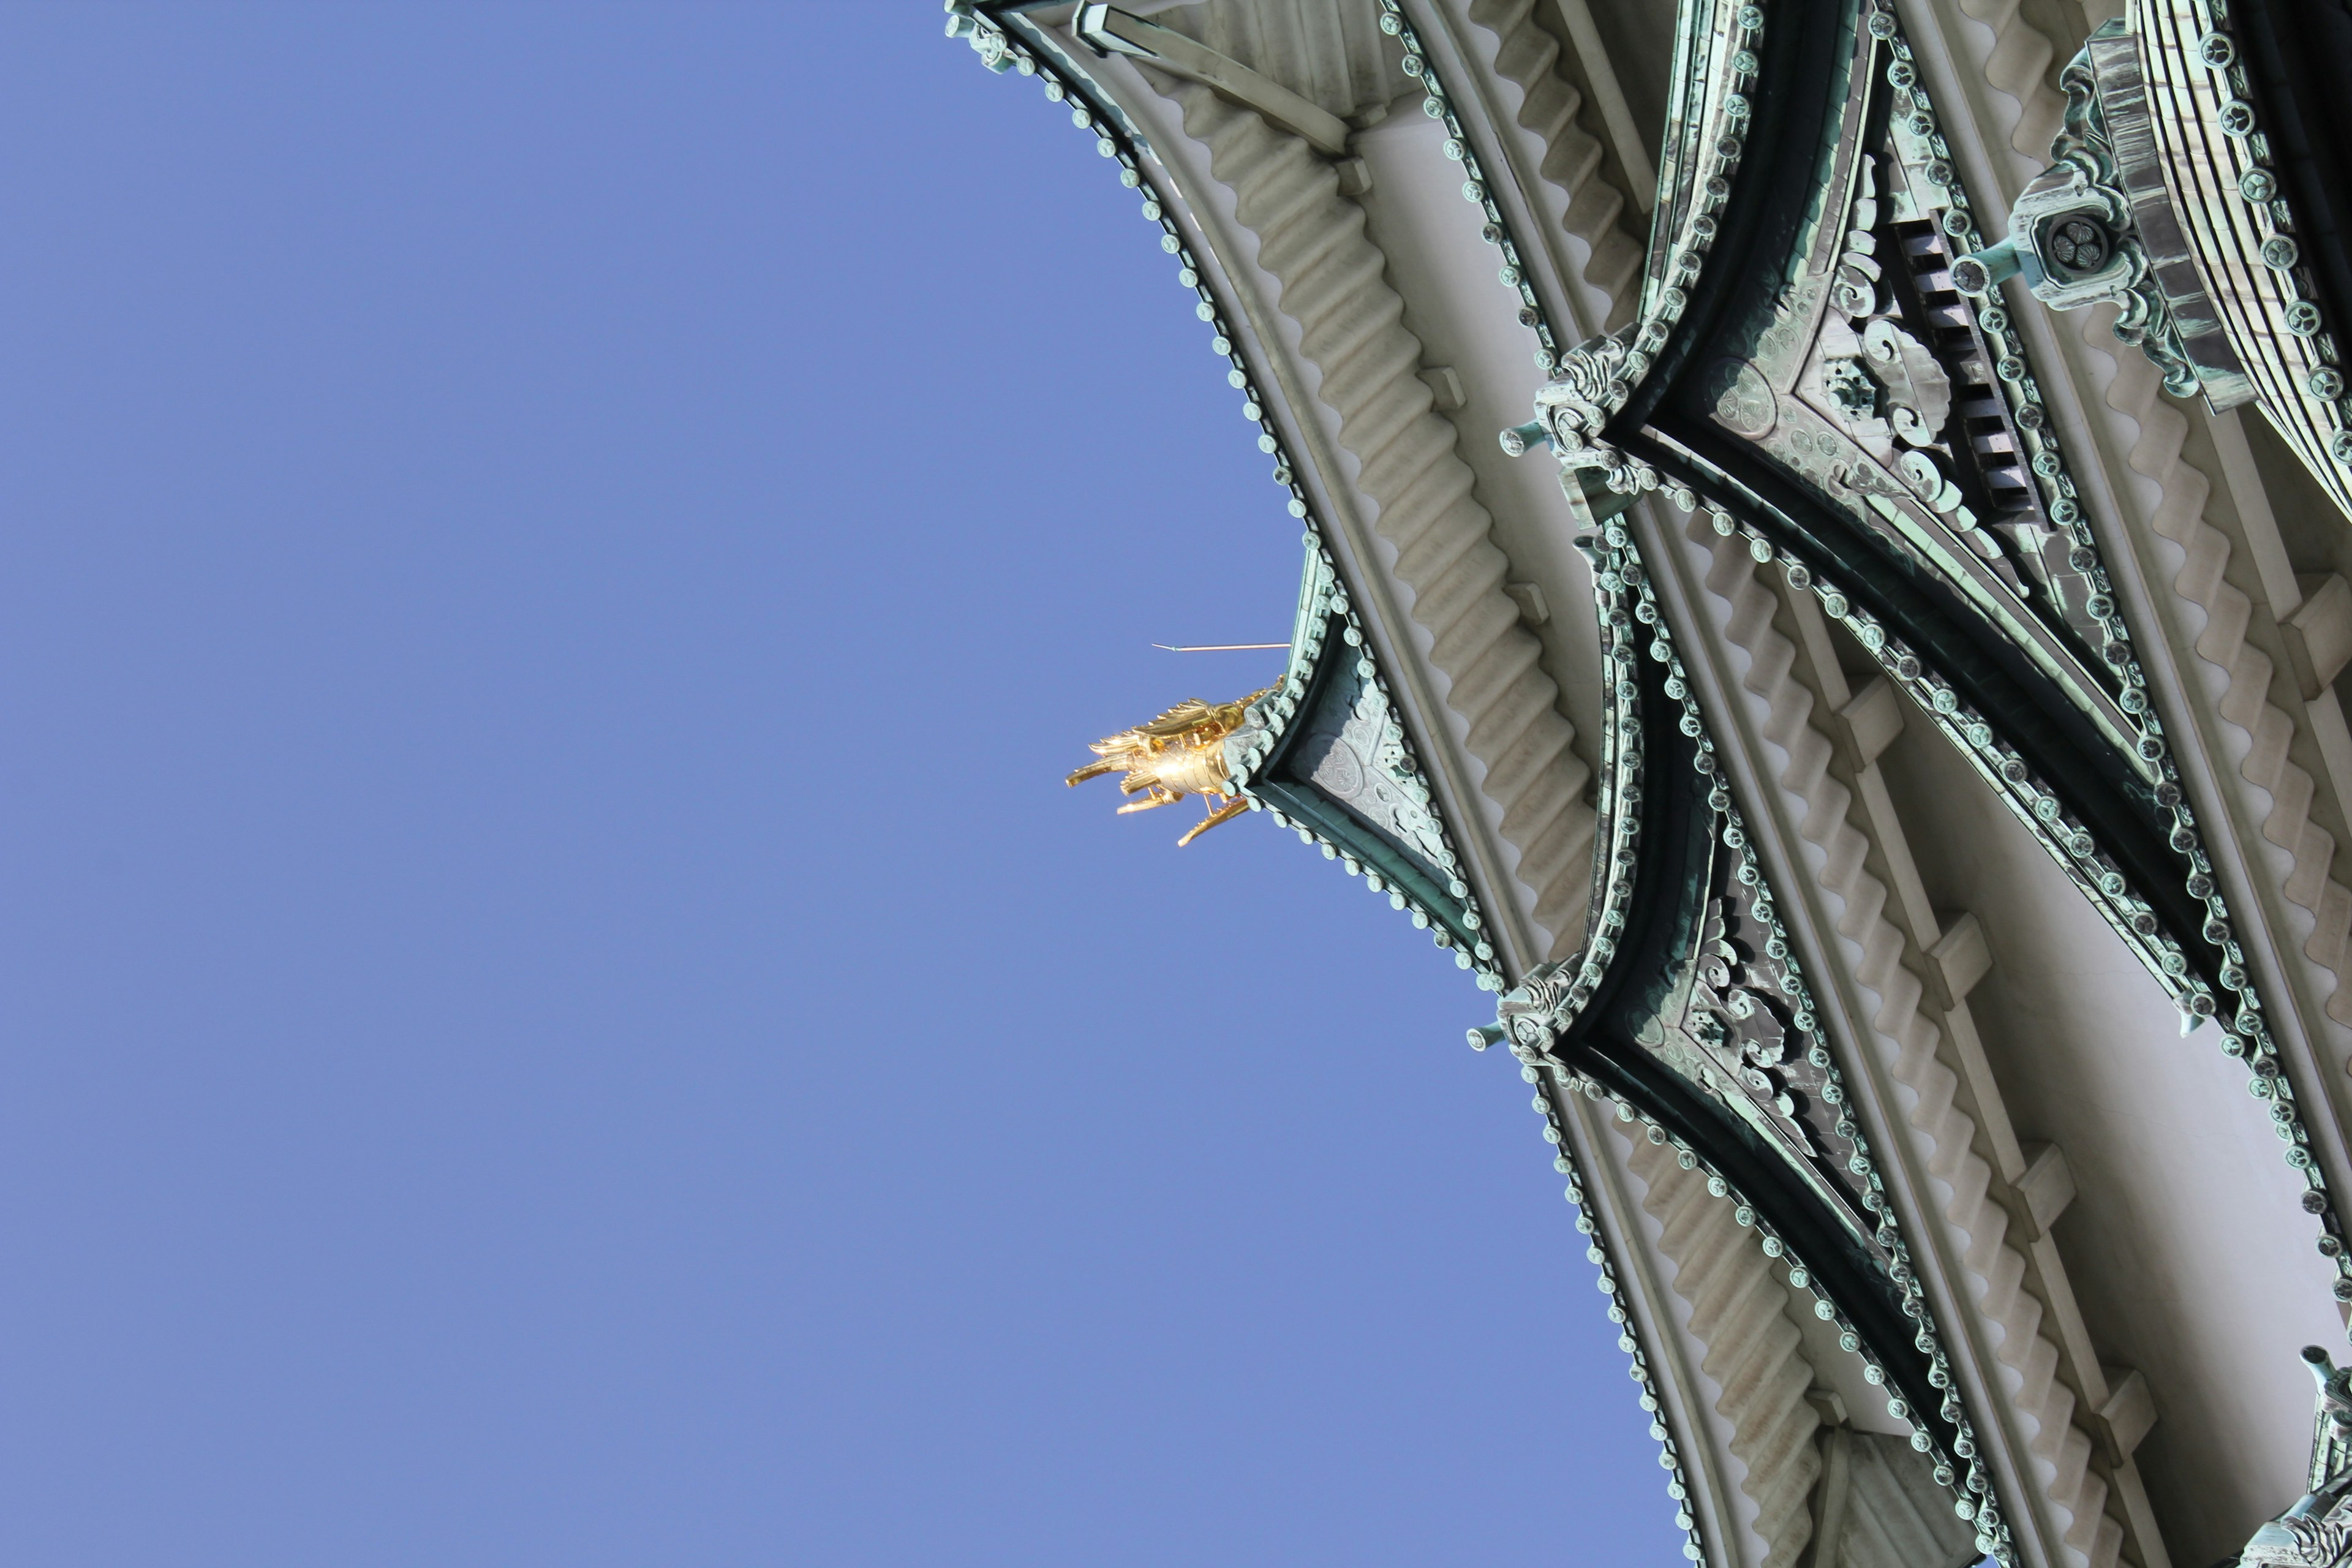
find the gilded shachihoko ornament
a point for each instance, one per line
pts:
(1180, 754)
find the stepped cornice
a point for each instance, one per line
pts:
(1593, 210)
(1331, 283)
(2287, 789)
(1910, 1049)
(1754, 1354)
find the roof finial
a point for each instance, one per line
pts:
(1181, 752)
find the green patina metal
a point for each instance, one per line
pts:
(1856, 420)
(1324, 753)
(1276, 766)
(1886, 440)
(1685, 1006)
(1836, 401)
(1717, 1048)
(1803, 368)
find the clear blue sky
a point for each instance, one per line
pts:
(556, 1009)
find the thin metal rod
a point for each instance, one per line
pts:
(1220, 646)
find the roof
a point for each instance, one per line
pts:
(1832, 759)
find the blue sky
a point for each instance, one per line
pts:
(556, 1009)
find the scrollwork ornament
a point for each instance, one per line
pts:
(2073, 237)
(1590, 384)
(2317, 1531)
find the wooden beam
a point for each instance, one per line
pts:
(1872, 719)
(2129, 1413)
(1830, 1495)
(2319, 633)
(1961, 957)
(2047, 1187)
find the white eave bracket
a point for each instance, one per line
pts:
(1113, 30)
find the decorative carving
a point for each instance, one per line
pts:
(1852, 392)
(1594, 381)
(1918, 391)
(1729, 1026)
(1884, 389)
(1353, 750)
(1730, 1017)
(1857, 292)
(1743, 399)
(2097, 226)
(1531, 1014)
(2316, 1532)
(1181, 752)
(1865, 350)
(1932, 392)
